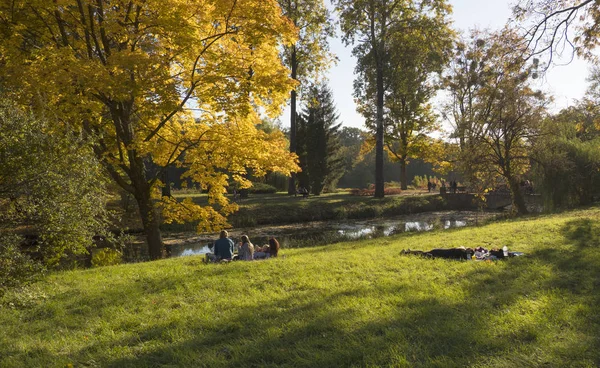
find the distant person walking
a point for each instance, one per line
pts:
(429, 186)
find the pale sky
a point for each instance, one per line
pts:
(565, 83)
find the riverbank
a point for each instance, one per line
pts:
(280, 208)
(319, 233)
(356, 303)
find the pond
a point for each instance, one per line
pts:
(329, 232)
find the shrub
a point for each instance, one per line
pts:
(261, 188)
(16, 267)
(106, 257)
(392, 191)
(392, 184)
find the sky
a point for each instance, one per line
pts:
(566, 83)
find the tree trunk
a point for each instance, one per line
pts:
(294, 62)
(517, 196)
(151, 224)
(166, 190)
(146, 206)
(403, 183)
(379, 179)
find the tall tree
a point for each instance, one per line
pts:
(417, 56)
(123, 73)
(370, 25)
(306, 57)
(318, 134)
(498, 119)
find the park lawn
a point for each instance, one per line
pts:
(359, 304)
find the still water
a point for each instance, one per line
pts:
(329, 232)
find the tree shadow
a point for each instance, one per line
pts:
(538, 310)
(582, 232)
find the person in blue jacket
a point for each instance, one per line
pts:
(223, 248)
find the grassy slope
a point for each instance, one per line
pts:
(350, 304)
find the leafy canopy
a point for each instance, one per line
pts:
(127, 73)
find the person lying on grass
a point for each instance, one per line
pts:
(459, 253)
(449, 253)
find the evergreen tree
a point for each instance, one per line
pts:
(319, 145)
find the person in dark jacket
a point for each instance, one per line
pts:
(223, 247)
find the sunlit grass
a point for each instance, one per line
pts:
(351, 304)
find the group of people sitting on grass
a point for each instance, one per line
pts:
(224, 249)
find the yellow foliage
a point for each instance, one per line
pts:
(127, 73)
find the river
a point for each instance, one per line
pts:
(329, 232)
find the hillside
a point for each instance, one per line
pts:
(351, 304)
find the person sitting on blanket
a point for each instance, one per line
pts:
(246, 252)
(262, 252)
(273, 246)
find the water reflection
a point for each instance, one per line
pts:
(328, 233)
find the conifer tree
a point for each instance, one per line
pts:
(319, 145)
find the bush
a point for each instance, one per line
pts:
(261, 188)
(16, 268)
(106, 257)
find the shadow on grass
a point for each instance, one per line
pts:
(538, 310)
(309, 334)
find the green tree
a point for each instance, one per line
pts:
(320, 149)
(567, 154)
(51, 185)
(308, 56)
(124, 73)
(503, 114)
(371, 26)
(416, 57)
(567, 158)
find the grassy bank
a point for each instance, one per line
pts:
(351, 304)
(280, 208)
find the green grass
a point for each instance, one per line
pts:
(351, 304)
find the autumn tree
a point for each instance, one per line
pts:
(319, 144)
(371, 25)
(308, 56)
(497, 112)
(123, 73)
